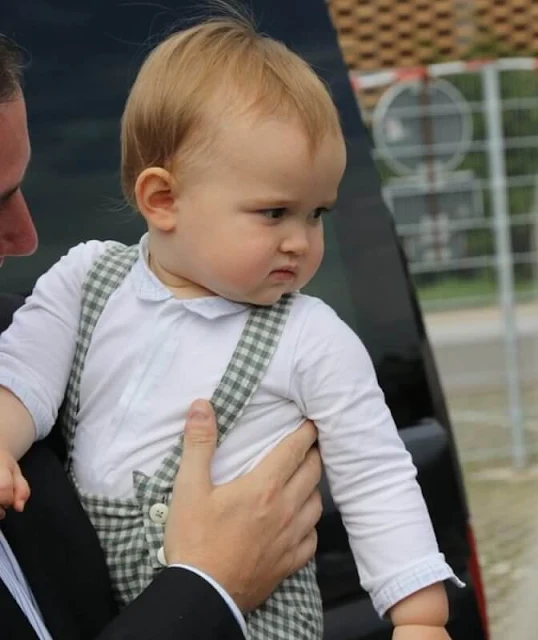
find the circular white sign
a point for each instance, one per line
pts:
(419, 123)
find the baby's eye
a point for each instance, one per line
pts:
(274, 214)
(320, 211)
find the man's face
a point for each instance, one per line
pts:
(18, 236)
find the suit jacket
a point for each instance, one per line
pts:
(60, 555)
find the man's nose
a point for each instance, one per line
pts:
(18, 235)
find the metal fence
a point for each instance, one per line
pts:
(457, 151)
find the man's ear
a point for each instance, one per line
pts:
(156, 198)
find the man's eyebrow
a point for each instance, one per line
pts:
(7, 194)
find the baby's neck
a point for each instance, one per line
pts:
(180, 287)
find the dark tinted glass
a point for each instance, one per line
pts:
(83, 56)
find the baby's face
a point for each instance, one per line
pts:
(249, 220)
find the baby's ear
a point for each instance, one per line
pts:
(156, 198)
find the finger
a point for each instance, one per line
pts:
(284, 460)
(304, 552)
(307, 517)
(6, 486)
(305, 479)
(21, 489)
(199, 444)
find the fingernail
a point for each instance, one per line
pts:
(198, 410)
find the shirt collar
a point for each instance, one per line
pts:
(148, 287)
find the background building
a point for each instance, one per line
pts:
(377, 34)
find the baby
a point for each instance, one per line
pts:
(233, 153)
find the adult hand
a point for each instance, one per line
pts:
(251, 533)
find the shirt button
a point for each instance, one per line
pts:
(160, 557)
(158, 513)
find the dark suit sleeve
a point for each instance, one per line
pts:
(60, 555)
(178, 605)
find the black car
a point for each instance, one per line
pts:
(82, 58)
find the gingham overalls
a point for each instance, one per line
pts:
(130, 539)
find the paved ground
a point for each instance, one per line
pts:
(482, 423)
(503, 502)
(470, 345)
(503, 507)
(478, 324)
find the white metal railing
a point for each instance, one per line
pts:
(502, 155)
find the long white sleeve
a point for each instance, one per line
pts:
(36, 351)
(371, 474)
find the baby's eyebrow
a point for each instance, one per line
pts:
(271, 203)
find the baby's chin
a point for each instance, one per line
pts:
(261, 299)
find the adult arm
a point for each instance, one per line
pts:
(178, 605)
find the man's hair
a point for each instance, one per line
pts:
(197, 77)
(11, 66)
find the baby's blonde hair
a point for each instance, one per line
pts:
(195, 77)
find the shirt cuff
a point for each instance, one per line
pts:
(416, 577)
(223, 593)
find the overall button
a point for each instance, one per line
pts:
(158, 513)
(160, 557)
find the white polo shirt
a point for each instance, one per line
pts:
(152, 354)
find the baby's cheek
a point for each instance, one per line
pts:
(233, 278)
(312, 265)
(248, 267)
(244, 278)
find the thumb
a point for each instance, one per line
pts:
(199, 444)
